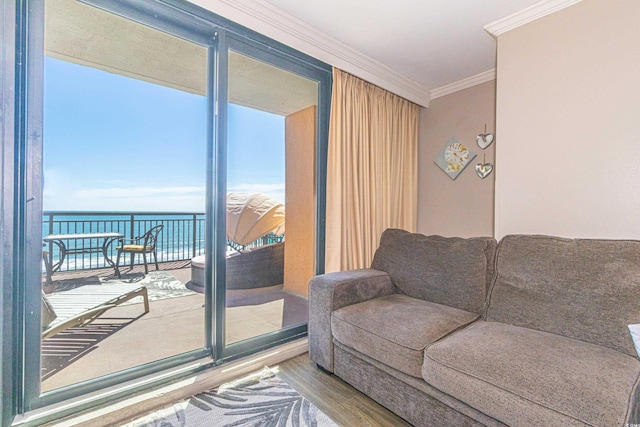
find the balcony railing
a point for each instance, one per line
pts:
(181, 239)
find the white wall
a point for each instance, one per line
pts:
(568, 123)
(463, 207)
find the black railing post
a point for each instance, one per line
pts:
(194, 235)
(50, 223)
(50, 248)
(131, 222)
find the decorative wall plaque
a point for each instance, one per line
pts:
(454, 157)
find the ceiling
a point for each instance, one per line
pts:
(85, 35)
(414, 48)
(431, 42)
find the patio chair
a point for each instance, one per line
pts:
(82, 305)
(145, 244)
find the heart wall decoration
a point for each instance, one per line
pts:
(484, 169)
(484, 139)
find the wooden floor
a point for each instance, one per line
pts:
(342, 403)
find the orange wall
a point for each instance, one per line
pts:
(299, 253)
(464, 206)
(568, 123)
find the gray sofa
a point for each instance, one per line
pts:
(456, 332)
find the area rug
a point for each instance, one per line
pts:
(160, 284)
(262, 400)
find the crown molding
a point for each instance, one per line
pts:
(487, 76)
(272, 22)
(526, 15)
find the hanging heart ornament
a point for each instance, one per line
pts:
(484, 169)
(484, 140)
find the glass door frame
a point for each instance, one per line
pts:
(265, 53)
(186, 20)
(146, 12)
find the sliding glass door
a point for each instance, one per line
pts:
(270, 198)
(122, 95)
(124, 167)
(171, 173)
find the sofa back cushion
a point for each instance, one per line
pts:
(446, 270)
(583, 289)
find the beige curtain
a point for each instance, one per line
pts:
(372, 170)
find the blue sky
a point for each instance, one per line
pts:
(114, 143)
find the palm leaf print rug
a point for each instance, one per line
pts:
(262, 400)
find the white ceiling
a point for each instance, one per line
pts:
(418, 49)
(432, 42)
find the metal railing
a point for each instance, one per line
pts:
(182, 237)
(267, 239)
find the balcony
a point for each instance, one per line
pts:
(125, 336)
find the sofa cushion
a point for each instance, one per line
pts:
(395, 329)
(450, 271)
(583, 289)
(526, 377)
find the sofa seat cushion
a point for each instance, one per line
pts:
(395, 329)
(521, 376)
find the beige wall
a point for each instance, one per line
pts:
(464, 206)
(568, 123)
(300, 193)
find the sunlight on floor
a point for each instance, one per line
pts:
(125, 337)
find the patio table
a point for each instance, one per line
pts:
(60, 239)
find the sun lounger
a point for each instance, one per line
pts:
(80, 306)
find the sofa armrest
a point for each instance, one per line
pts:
(329, 292)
